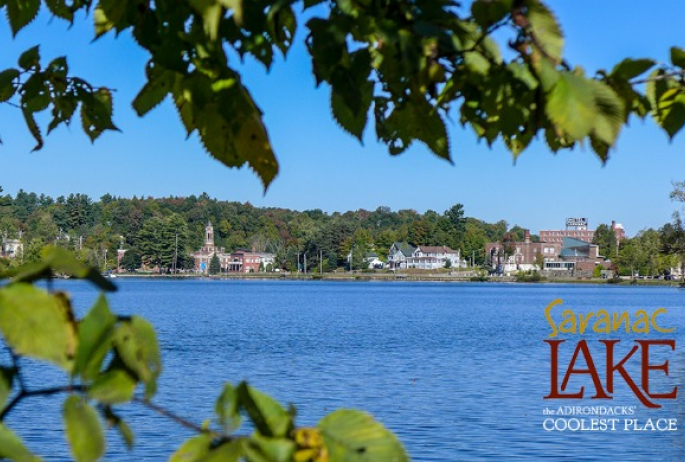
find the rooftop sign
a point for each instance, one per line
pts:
(576, 222)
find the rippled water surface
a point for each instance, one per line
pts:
(458, 371)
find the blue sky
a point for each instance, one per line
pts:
(323, 167)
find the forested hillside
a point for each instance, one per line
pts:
(149, 227)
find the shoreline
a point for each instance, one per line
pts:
(347, 277)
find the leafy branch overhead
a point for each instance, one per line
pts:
(407, 63)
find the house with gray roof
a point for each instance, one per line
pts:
(399, 254)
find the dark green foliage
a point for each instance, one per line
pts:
(131, 260)
(606, 240)
(214, 265)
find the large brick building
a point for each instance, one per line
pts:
(577, 228)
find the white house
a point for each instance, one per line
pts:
(11, 248)
(433, 257)
(398, 255)
(266, 258)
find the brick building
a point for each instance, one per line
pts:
(577, 228)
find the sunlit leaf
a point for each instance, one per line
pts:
(227, 408)
(83, 430)
(269, 449)
(571, 106)
(631, 68)
(94, 339)
(194, 449)
(266, 414)
(112, 387)
(137, 345)
(12, 448)
(230, 451)
(545, 29)
(352, 436)
(34, 323)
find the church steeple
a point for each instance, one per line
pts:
(209, 234)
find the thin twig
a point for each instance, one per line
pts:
(668, 75)
(166, 413)
(42, 392)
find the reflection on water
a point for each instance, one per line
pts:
(458, 371)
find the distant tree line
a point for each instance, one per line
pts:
(159, 232)
(163, 232)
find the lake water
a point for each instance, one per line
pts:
(457, 371)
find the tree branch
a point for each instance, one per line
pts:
(166, 413)
(668, 75)
(42, 392)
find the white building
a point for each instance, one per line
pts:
(398, 255)
(11, 248)
(433, 257)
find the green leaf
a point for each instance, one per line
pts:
(35, 94)
(352, 436)
(571, 106)
(84, 432)
(415, 121)
(352, 122)
(266, 414)
(674, 114)
(154, 91)
(108, 14)
(33, 128)
(228, 121)
(96, 113)
(6, 379)
(489, 12)
(282, 25)
(545, 29)
(230, 451)
(7, 88)
(136, 342)
(654, 87)
(631, 68)
(21, 12)
(113, 387)
(59, 260)
(194, 449)
(610, 112)
(269, 449)
(121, 426)
(60, 9)
(600, 148)
(678, 57)
(211, 12)
(36, 324)
(30, 59)
(227, 409)
(12, 448)
(94, 339)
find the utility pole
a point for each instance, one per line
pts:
(304, 257)
(320, 261)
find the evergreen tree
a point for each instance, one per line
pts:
(214, 265)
